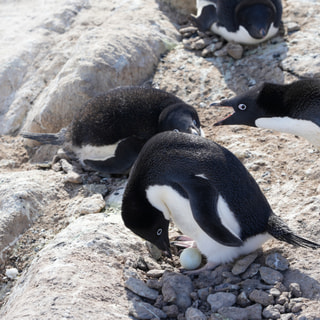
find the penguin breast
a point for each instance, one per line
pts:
(174, 206)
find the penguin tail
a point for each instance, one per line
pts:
(279, 230)
(47, 138)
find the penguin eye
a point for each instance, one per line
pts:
(194, 122)
(159, 232)
(176, 130)
(242, 107)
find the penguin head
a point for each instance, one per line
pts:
(264, 101)
(145, 221)
(180, 117)
(256, 16)
(246, 109)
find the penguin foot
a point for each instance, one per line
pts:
(184, 242)
(207, 267)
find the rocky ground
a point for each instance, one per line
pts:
(79, 258)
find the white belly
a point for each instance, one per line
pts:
(304, 128)
(174, 206)
(98, 153)
(242, 35)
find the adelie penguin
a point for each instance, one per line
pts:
(209, 195)
(292, 108)
(110, 130)
(243, 21)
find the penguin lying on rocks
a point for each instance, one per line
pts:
(209, 195)
(242, 21)
(292, 108)
(111, 129)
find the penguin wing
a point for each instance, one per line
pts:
(203, 197)
(207, 17)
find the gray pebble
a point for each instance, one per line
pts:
(155, 273)
(277, 261)
(194, 314)
(243, 300)
(295, 290)
(221, 299)
(254, 311)
(270, 275)
(171, 311)
(251, 271)
(293, 26)
(261, 297)
(154, 284)
(141, 289)
(203, 294)
(233, 313)
(275, 292)
(234, 50)
(143, 310)
(270, 312)
(176, 289)
(242, 265)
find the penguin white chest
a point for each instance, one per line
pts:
(242, 35)
(173, 205)
(97, 153)
(304, 128)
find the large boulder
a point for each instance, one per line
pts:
(75, 51)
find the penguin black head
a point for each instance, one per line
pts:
(180, 117)
(261, 101)
(256, 17)
(147, 222)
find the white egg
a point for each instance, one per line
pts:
(190, 258)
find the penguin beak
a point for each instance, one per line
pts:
(224, 120)
(195, 130)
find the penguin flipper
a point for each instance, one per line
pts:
(203, 199)
(207, 17)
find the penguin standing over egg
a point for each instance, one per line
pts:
(209, 195)
(243, 21)
(109, 131)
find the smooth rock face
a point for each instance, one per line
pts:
(77, 50)
(57, 283)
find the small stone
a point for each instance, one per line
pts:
(176, 289)
(171, 311)
(295, 290)
(154, 284)
(242, 265)
(249, 285)
(151, 263)
(155, 273)
(254, 311)
(283, 298)
(261, 297)
(200, 44)
(295, 307)
(93, 204)
(73, 177)
(233, 313)
(189, 29)
(154, 251)
(293, 26)
(141, 289)
(203, 294)
(270, 312)
(281, 308)
(234, 50)
(143, 310)
(12, 273)
(222, 52)
(243, 300)
(286, 316)
(211, 48)
(221, 299)
(251, 271)
(275, 292)
(194, 314)
(270, 276)
(277, 261)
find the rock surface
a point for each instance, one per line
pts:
(76, 258)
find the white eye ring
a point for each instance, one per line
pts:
(159, 231)
(176, 130)
(242, 107)
(195, 122)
